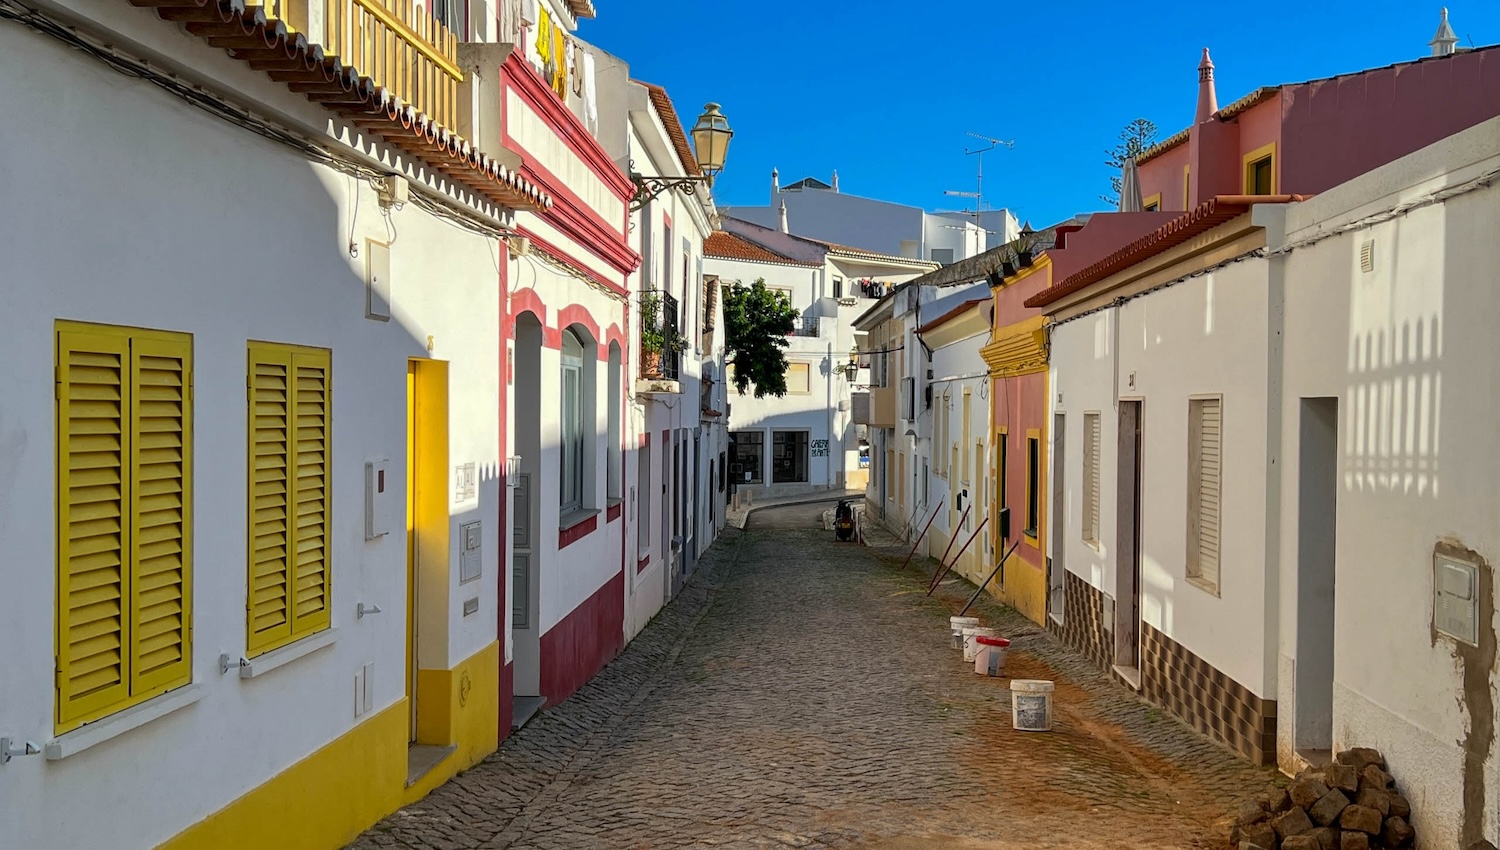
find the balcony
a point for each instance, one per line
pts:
(805, 326)
(661, 344)
(400, 46)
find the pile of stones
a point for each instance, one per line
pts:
(1351, 804)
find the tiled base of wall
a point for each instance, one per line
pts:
(1174, 678)
(1083, 621)
(1206, 698)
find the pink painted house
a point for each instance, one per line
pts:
(1304, 138)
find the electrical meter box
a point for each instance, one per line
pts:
(382, 496)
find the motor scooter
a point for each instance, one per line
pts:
(843, 520)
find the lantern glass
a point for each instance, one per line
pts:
(711, 137)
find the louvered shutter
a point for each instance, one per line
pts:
(268, 610)
(310, 573)
(1091, 477)
(1210, 429)
(161, 449)
(93, 534)
(289, 574)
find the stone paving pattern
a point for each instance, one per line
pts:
(802, 693)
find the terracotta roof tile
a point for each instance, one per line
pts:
(287, 57)
(727, 246)
(1205, 216)
(673, 123)
(952, 314)
(581, 8)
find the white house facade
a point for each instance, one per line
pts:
(205, 514)
(952, 447)
(677, 438)
(806, 440)
(1387, 537)
(819, 210)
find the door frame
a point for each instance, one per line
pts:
(427, 561)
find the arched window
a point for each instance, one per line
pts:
(573, 408)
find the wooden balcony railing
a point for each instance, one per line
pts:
(399, 45)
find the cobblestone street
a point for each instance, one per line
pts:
(802, 693)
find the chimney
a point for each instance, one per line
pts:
(775, 184)
(783, 217)
(1208, 101)
(1200, 145)
(1444, 42)
(835, 180)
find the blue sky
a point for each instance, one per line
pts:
(884, 91)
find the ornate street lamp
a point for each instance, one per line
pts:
(711, 137)
(851, 369)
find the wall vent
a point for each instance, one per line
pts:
(1367, 256)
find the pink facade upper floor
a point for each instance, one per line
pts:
(1319, 133)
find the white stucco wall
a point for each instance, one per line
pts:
(1204, 336)
(200, 227)
(649, 563)
(1407, 350)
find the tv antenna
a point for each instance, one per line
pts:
(978, 193)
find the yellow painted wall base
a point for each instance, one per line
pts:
(324, 801)
(459, 706)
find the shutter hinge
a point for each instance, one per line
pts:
(57, 382)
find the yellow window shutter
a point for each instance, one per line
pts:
(93, 534)
(311, 575)
(267, 604)
(161, 505)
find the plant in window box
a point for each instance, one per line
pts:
(656, 337)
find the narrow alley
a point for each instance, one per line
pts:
(802, 693)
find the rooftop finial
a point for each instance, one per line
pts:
(1208, 101)
(835, 180)
(1444, 43)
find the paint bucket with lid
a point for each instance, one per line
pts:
(971, 644)
(989, 658)
(1031, 705)
(956, 626)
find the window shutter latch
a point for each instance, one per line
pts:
(14, 748)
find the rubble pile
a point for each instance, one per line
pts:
(1352, 804)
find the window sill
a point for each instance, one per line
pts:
(614, 501)
(107, 728)
(576, 517)
(266, 662)
(1206, 586)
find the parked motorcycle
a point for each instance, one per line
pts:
(843, 520)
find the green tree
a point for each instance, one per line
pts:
(757, 322)
(1135, 138)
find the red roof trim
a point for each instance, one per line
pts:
(1206, 216)
(670, 119)
(727, 246)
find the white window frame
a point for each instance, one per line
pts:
(571, 428)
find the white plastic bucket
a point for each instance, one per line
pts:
(956, 626)
(971, 646)
(1031, 705)
(989, 658)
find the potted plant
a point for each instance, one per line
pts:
(1025, 245)
(1008, 266)
(656, 337)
